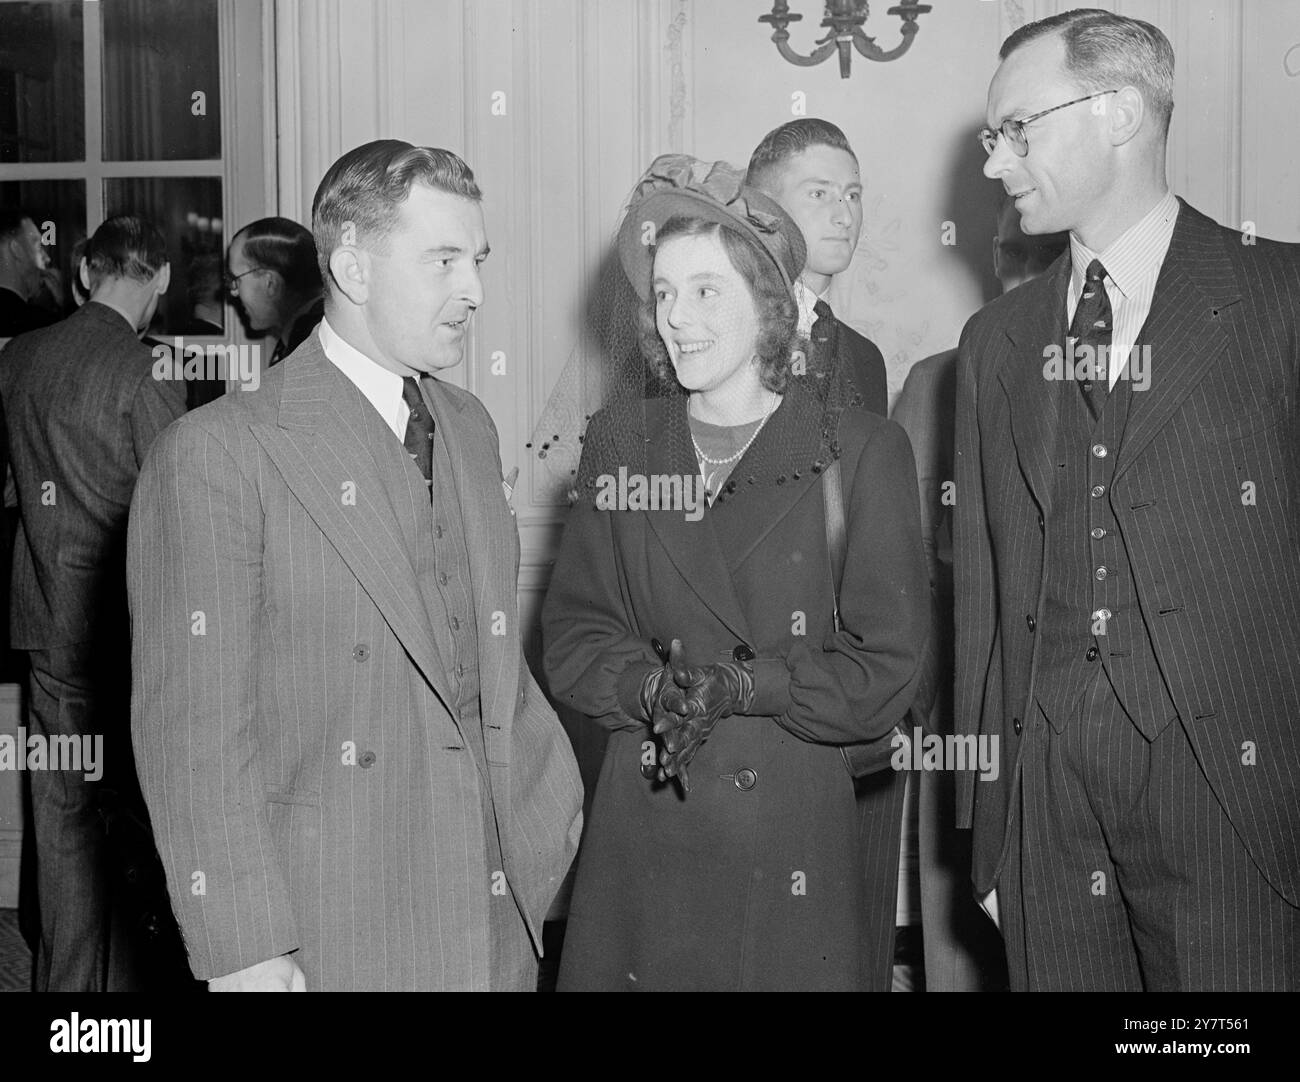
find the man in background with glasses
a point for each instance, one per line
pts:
(272, 274)
(1126, 564)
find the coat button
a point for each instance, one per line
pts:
(1099, 450)
(1091, 655)
(1097, 533)
(1015, 724)
(746, 779)
(360, 652)
(442, 578)
(1098, 491)
(1029, 619)
(1040, 522)
(366, 760)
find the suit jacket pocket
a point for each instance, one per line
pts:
(1257, 420)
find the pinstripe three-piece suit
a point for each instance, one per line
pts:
(1128, 626)
(342, 748)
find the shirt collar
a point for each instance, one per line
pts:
(807, 300)
(382, 387)
(1136, 253)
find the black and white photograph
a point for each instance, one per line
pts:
(650, 495)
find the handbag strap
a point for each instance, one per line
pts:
(836, 540)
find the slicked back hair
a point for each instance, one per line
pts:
(125, 246)
(1104, 51)
(781, 144)
(284, 246)
(365, 188)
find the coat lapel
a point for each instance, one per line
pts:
(692, 546)
(798, 413)
(1185, 328)
(331, 448)
(1035, 400)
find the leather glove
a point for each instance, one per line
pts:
(700, 697)
(657, 682)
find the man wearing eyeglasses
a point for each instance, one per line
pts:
(271, 272)
(1126, 548)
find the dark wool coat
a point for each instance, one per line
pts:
(772, 873)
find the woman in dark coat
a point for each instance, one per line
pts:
(729, 849)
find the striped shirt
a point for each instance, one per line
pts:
(1132, 265)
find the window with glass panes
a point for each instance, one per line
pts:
(114, 107)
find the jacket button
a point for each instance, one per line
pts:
(1015, 724)
(1091, 655)
(366, 760)
(746, 779)
(1097, 533)
(1040, 522)
(1029, 619)
(743, 652)
(442, 578)
(360, 652)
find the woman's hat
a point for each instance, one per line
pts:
(677, 184)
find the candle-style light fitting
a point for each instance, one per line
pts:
(843, 21)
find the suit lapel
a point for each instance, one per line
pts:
(332, 450)
(1034, 399)
(692, 546)
(1185, 328)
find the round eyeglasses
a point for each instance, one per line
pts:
(232, 280)
(1013, 131)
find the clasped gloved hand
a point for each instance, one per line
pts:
(698, 697)
(656, 682)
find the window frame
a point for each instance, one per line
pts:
(246, 168)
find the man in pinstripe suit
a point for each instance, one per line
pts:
(1127, 572)
(355, 781)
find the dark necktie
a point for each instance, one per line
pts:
(823, 335)
(419, 431)
(1092, 327)
(277, 354)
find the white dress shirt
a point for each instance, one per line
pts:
(1132, 263)
(807, 300)
(382, 387)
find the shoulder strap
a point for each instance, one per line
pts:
(836, 540)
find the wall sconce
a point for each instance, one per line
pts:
(843, 20)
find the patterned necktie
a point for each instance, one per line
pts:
(419, 431)
(1092, 327)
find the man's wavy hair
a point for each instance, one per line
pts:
(778, 315)
(1104, 51)
(125, 246)
(366, 187)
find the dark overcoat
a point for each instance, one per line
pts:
(771, 873)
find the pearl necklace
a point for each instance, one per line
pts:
(699, 453)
